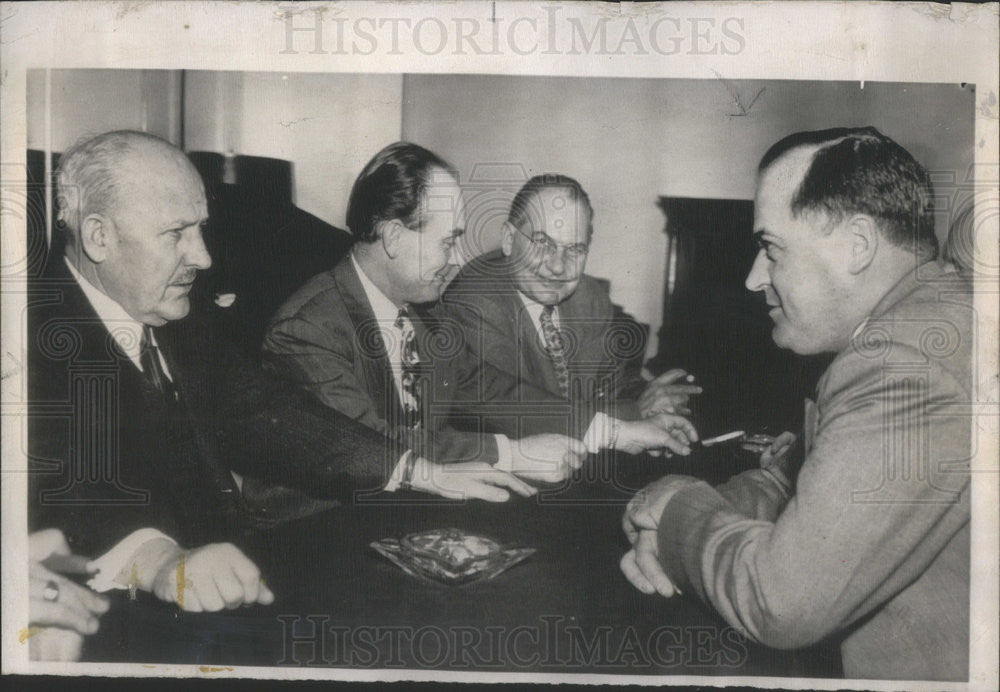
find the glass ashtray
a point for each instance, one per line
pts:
(450, 556)
(757, 444)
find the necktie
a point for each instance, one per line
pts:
(152, 368)
(554, 345)
(410, 360)
(197, 484)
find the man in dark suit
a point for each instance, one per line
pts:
(123, 462)
(141, 414)
(362, 339)
(529, 309)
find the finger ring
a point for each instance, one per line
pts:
(51, 592)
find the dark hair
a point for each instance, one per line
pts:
(521, 208)
(391, 186)
(860, 170)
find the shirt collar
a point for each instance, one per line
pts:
(535, 308)
(385, 310)
(124, 329)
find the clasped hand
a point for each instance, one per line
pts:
(546, 458)
(209, 578)
(59, 622)
(641, 565)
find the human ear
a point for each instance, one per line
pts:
(864, 236)
(507, 238)
(95, 237)
(391, 234)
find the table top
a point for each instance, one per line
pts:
(566, 609)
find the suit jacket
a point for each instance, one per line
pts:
(107, 457)
(326, 338)
(871, 545)
(604, 348)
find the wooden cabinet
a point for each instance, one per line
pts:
(717, 329)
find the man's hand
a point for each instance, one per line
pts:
(55, 601)
(45, 543)
(656, 434)
(60, 611)
(646, 506)
(547, 458)
(668, 393)
(54, 644)
(779, 455)
(641, 566)
(467, 480)
(210, 578)
(641, 522)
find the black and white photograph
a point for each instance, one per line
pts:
(492, 342)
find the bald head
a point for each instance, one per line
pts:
(132, 206)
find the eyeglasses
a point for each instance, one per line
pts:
(546, 247)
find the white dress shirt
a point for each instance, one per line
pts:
(386, 312)
(126, 331)
(534, 310)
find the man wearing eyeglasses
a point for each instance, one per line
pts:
(529, 309)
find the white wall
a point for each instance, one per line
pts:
(630, 141)
(627, 141)
(327, 125)
(88, 102)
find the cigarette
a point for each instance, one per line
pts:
(722, 438)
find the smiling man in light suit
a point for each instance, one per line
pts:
(869, 542)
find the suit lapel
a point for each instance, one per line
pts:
(535, 360)
(575, 317)
(173, 467)
(97, 348)
(200, 479)
(376, 368)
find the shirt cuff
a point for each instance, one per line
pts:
(108, 566)
(505, 457)
(397, 473)
(601, 433)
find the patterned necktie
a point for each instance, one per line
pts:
(554, 345)
(409, 359)
(152, 368)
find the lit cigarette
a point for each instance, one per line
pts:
(722, 438)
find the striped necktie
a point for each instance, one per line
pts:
(410, 360)
(152, 368)
(554, 346)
